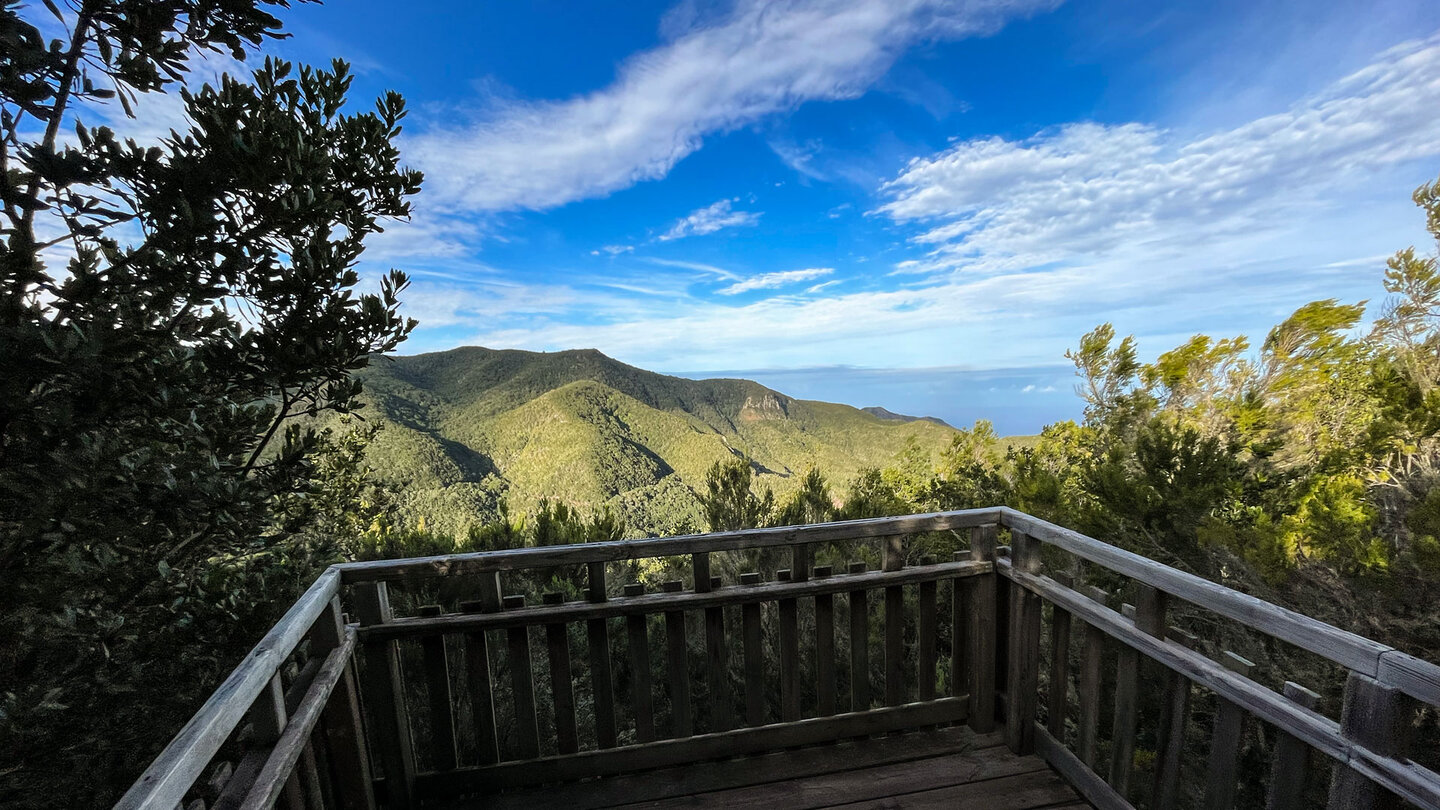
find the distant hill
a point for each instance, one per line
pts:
(891, 416)
(467, 429)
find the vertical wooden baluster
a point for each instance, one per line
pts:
(1122, 728)
(824, 647)
(384, 691)
(522, 684)
(925, 652)
(1374, 715)
(717, 667)
(894, 560)
(681, 724)
(752, 637)
(859, 645)
(637, 632)
(562, 682)
(983, 632)
(477, 671)
(1222, 774)
(1291, 762)
(597, 637)
(1023, 684)
(1001, 628)
(267, 718)
(789, 631)
(437, 687)
(344, 730)
(1092, 678)
(1174, 716)
(959, 635)
(1058, 702)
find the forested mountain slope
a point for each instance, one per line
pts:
(467, 430)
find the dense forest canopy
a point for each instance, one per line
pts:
(182, 338)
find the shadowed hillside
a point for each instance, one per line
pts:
(469, 429)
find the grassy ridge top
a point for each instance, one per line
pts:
(468, 429)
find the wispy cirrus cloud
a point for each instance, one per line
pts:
(712, 76)
(1089, 189)
(770, 281)
(711, 218)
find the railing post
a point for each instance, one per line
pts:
(1092, 675)
(1226, 737)
(1373, 716)
(597, 636)
(344, 731)
(982, 632)
(1291, 762)
(1023, 682)
(894, 560)
(1174, 716)
(384, 691)
(1057, 704)
(717, 666)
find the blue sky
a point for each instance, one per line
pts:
(914, 203)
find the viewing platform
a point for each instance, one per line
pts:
(1029, 667)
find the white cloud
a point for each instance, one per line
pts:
(1088, 189)
(613, 250)
(769, 281)
(713, 76)
(710, 219)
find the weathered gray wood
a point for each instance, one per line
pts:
(1290, 764)
(562, 682)
(170, 775)
(982, 591)
(824, 648)
(1092, 677)
(691, 779)
(1221, 775)
(622, 550)
(597, 638)
(1057, 702)
(1408, 779)
(1122, 729)
(1347, 649)
(789, 653)
(681, 723)
(268, 720)
(345, 744)
(702, 747)
(926, 633)
(384, 693)
(1174, 717)
(894, 645)
(718, 670)
(278, 773)
(522, 684)
(642, 703)
(858, 603)
(1417, 678)
(668, 600)
(1374, 716)
(800, 562)
(437, 687)
(1023, 683)
(1077, 773)
(1018, 792)
(959, 635)
(752, 638)
(480, 682)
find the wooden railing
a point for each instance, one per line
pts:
(452, 705)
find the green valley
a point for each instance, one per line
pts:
(468, 432)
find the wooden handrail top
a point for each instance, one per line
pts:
(1420, 679)
(621, 550)
(166, 781)
(666, 601)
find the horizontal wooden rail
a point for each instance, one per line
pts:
(667, 601)
(1420, 679)
(165, 783)
(1405, 778)
(621, 550)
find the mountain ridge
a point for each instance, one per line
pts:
(469, 431)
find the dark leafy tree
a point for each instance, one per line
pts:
(156, 377)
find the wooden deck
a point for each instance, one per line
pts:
(947, 768)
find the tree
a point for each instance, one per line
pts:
(729, 501)
(156, 377)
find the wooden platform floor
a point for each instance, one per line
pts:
(946, 768)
